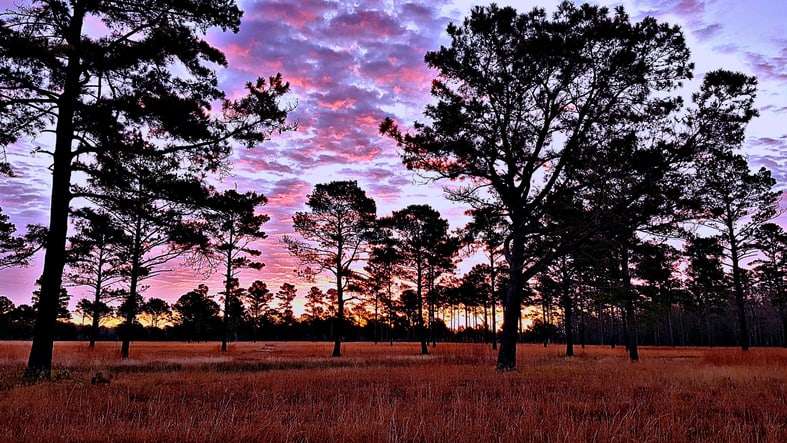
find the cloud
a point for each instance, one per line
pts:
(768, 67)
(347, 63)
(708, 31)
(694, 14)
(350, 64)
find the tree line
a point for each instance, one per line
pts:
(684, 296)
(596, 193)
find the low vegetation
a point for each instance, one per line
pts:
(277, 391)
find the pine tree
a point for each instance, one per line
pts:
(146, 70)
(334, 236)
(258, 298)
(96, 261)
(233, 225)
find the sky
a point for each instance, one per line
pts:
(352, 63)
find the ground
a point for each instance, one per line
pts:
(294, 392)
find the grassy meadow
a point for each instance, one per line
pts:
(282, 391)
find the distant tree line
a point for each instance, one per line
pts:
(684, 296)
(604, 207)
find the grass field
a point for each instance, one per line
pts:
(293, 392)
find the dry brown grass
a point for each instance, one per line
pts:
(293, 392)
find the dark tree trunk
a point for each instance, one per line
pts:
(431, 324)
(39, 364)
(740, 301)
(95, 316)
(376, 319)
(486, 322)
(493, 276)
(338, 328)
(389, 307)
(419, 292)
(569, 320)
(96, 300)
(669, 325)
(670, 328)
(225, 326)
(547, 322)
(338, 325)
(227, 288)
(624, 326)
(512, 304)
(131, 305)
(94, 330)
(431, 305)
(631, 317)
(613, 333)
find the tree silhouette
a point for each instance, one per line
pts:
(233, 225)
(63, 297)
(655, 265)
(315, 304)
(771, 268)
(10, 245)
(146, 70)
(196, 313)
(96, 261)
(516, 98)
(334, 236)
(560, 282)
(706, 283)
(439, 261)
(488, 229)
(418, 232)
(258, 298)
(157, 310)
(475, 289)
(16, 251)
(89, 309)
(736, 202)
(642, 180)
(156, 205)
(6, 310)
(234, 312)
(382, 270)
(285, 296)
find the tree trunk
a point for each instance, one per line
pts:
(39, 363)
(493, 276)
(131, 305)
(486, 322)
(227, 288)
(95, 316)
(389, 307)
(740, 302)
(547, 323)
(569, 320)
(624, 326)
(419, 292)
(431, 324)
(339, 319)
(512, 305)
(376, 319)
(669, 325)
(96, 300)
(613, 333)
(631, 318)
(431, 305)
